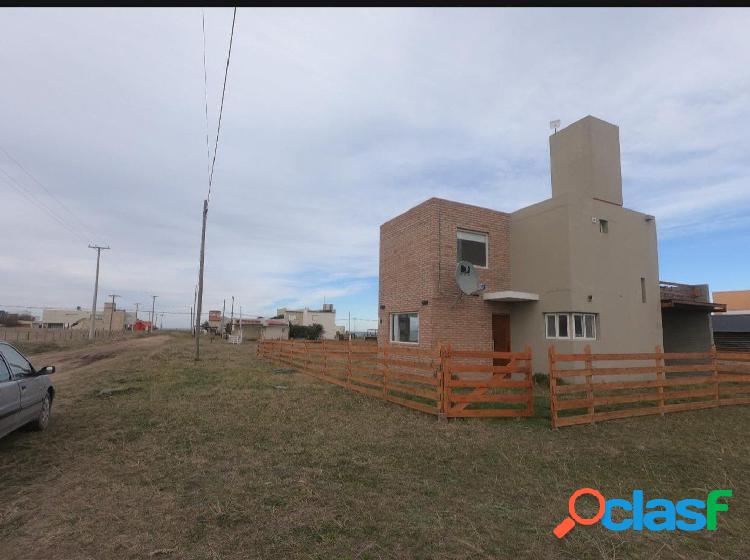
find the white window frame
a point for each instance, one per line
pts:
(393, 330)
(572, 327)
(470, 233)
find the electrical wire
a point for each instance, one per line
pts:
(52, 195)
(221, 106)
(205, 98)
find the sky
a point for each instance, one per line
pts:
(334, 122)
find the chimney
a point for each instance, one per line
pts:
(585, 160)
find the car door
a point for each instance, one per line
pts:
(10, 399)
(30, 386)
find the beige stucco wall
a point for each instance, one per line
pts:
(558, 252)
(585, 160)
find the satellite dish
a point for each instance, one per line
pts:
(467, 278)
(554, 125)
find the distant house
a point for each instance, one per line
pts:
(732, 329)
(80, 318)
(307, 317)
(259, 328)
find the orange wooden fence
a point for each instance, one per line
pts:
(488, 383)
(587, 388)
(436, 381)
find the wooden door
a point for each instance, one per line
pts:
(501, 337)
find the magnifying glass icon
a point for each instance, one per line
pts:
(569, 522)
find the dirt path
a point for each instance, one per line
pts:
(67, 361)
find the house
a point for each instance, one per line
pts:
(259, 328)
(80, 318)
(307, 317)
(577, 269)
(732, 330)
(686, 317)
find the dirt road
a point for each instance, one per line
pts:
(67, 361)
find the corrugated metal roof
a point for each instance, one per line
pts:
(731, 323)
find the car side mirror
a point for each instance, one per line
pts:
(46, 370)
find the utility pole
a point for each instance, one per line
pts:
(200, 284)
(153, 306)
(112, 311)
(137, 305)
(161, 321)
(231, 319)
(350, 325)
(192, 321)
(223, 310)
(92, 327)
(195, 306)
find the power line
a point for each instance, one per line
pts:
(221, 106)
(205, 98)
(31, 197)
(50, 193)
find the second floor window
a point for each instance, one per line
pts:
(472, 247)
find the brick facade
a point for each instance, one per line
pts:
(417, 265)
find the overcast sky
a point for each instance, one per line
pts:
(334, 122)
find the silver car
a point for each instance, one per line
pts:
(26, 394)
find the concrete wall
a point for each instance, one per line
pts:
(686, 331)
(559, 252)
(585, 160)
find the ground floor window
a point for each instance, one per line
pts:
(405, 327)
(570, 325)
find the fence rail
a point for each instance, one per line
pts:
(611, 386)
(435, 381)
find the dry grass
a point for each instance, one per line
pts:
(227, 459)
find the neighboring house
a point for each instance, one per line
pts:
(686, 317)
(732, 330)
(307, 317)
(259, 328)
(574, 270)
(80, 318)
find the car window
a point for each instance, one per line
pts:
(4, 371)
(19, 366)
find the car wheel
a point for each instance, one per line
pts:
(42, 420)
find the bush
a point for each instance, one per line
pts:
(311, 332)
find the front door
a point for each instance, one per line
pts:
(501, 337)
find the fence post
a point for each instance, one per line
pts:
(660, 376)
(306, 350)
(589, 379)
(325, 358)
(445, 376)
(530, 381)
(349, 364)
(552, 386)
(715, 375)
(385, 372)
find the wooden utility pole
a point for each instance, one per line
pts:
(92, 327)
(223, 310)
(153, 306)
(112, 311)
(231, 319)
(200, 285)
(137, 305)
(192, 320)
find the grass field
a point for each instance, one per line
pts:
(230, 459)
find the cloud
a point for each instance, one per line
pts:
(335, 121)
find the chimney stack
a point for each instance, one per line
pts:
(585, 160)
